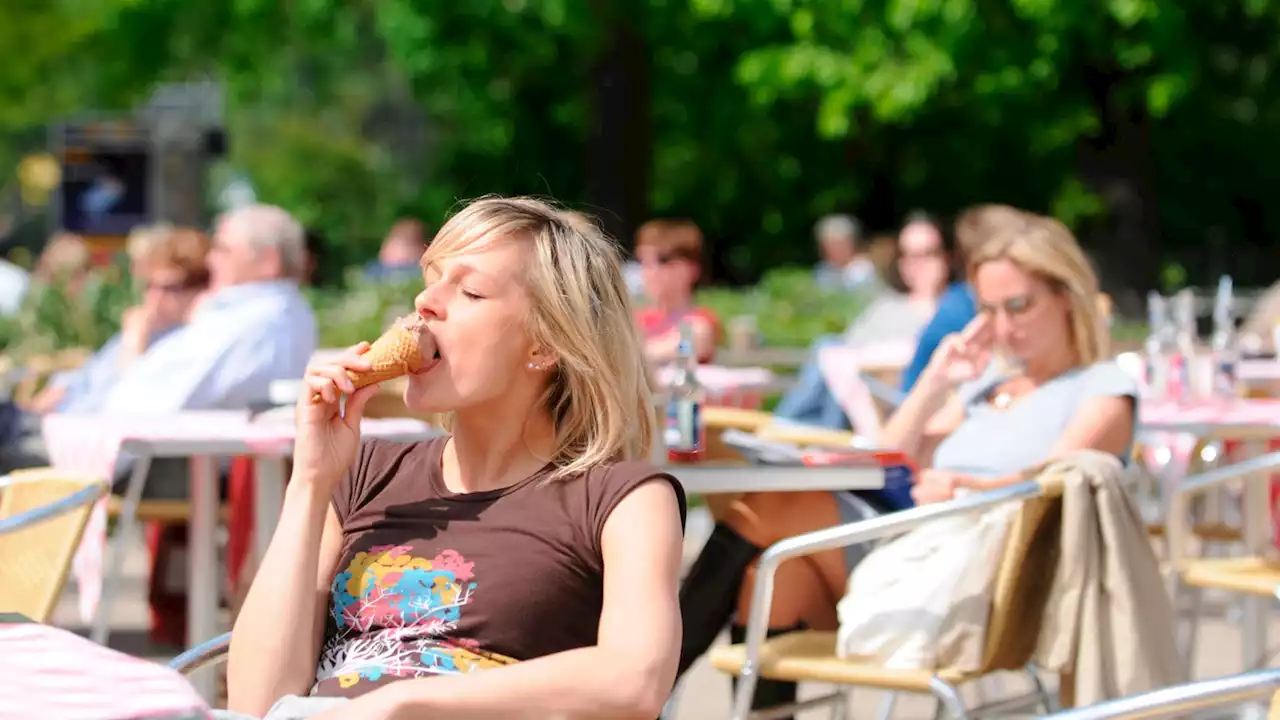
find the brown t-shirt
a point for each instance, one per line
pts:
(432, 582)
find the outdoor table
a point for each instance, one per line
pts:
(53, 674)
(90, 445)
(724, 478)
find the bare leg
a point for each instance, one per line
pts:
(806, 589)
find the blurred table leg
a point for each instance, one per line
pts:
(202, 589)
(1255, 507)
(268, 501)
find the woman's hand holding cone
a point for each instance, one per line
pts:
(327, 436)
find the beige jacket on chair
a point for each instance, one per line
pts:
(1110, 623)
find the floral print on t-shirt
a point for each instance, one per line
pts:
(393, 612)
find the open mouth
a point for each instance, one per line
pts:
(429, 366)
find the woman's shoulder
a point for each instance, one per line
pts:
(609, 484)
(381, 465)
(1106, 377)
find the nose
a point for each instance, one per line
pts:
(429, 304)
(1002, 327)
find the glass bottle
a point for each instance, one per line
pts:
(684, 434)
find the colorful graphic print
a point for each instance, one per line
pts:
(394, 614)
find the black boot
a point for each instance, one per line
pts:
(769, 693)
(709, 592)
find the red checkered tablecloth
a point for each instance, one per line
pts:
(1168, 417)
(1252, 411)
(52, 674)
(1215, 416)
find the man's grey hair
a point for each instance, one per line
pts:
(838, 226)
(268, 226)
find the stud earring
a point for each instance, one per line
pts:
(534, 366)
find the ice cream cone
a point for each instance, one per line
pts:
(393, 355)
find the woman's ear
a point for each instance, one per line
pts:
(541, 360)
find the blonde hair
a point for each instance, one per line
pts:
(598, 396)
(979, 223)
(144, 239)
(1045, 248)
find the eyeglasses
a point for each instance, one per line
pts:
(1013, 307)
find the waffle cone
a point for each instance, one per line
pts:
(393, 355)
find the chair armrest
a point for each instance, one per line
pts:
(1206, 481)
(1181, 700)
(1177, 514)
(842, 536)
(87, 495)
(206, 653)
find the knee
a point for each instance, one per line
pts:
(765, 518)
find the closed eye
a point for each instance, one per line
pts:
(472, 296)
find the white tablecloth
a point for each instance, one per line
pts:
(89, 445)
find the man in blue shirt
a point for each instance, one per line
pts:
(843, 265)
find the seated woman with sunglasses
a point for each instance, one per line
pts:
(969, 422)
(670, 255)
(172, 274)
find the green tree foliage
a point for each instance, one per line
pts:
(1143, 123)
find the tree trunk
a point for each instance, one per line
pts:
(1114, 164)
(619, 151)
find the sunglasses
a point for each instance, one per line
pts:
(173, 287)
(664, 259)
(1013, 307)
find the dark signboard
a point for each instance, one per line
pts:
(106, 177)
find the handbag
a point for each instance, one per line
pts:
(922, 600)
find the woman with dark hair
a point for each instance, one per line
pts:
(920, 273)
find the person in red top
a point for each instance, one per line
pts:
(670, 256)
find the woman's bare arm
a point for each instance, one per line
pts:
(1101, 423)
(272, 653)
(930, 413)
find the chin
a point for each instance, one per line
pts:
(422, 401)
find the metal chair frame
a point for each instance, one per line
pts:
(842, 536)
(89, 494)
(1178, 510)
(210, 652)
(1182, 699)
